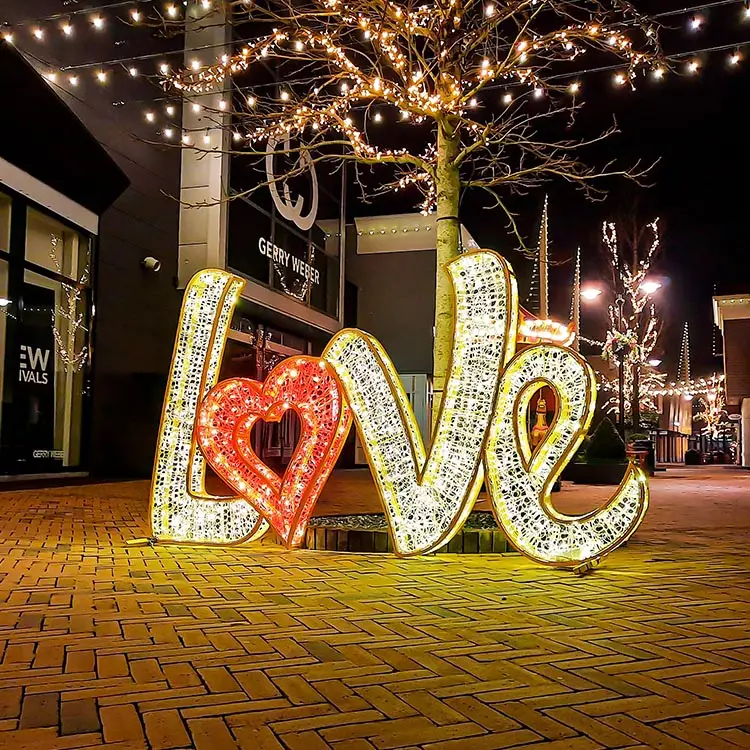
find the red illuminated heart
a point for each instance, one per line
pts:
(309, 386)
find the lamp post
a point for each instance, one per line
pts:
(621, 354)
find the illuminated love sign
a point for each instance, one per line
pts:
(481, 431)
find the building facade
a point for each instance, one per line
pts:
(732, 316)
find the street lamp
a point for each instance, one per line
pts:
(591, 293)
(650, 286)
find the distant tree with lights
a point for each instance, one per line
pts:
(437, 66)
(634, 325)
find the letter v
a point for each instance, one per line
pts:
(427, 497)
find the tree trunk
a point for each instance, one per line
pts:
(635, 408)
(447, 236)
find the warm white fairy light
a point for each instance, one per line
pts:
(195, 64)
(696, 22)
(693, 66)
(251, 101)
(377, 117)
(8, 37)
(164, 68)
(186, 139)
(658, 73)
(196, 107)
(222, 104)
(428, 496)
(172, 11)
(620, 79)
(150, 116)
(67, 29)
(168, 132)
(520, 479)
(574, 87)
(170, 110)
(734, 58)
(101, 76)
(97, 22)
(135, 15)
(73, 80)
(507, 98)
(38, 33)
(181, 509)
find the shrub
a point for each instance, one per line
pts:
(606, 445)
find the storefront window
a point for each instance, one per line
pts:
(44, 340)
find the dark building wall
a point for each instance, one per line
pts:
(737, 359)
(136, 311)
(396, 302)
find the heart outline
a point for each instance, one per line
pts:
(231, 409)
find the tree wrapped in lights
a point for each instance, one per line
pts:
(67, 334)
(634, 325)
(347, 64)
(711, 410)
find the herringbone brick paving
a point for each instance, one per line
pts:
(176, 647)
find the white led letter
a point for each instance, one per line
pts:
(520, 481)
(427, 497)
(181, 509)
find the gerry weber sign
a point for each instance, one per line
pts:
(291, 209)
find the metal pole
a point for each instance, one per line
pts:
(620, 301)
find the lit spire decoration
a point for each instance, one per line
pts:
(544, 264)
(575, 302)
(475, 80)
(683, 369)
(634, 325)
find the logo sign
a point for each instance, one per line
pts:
(292, 210)
(33, 365)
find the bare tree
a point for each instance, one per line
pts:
(438, 66)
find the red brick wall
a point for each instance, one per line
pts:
(737, 359)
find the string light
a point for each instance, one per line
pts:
(170, 110)
(196, 107)
(250, 101)
(8, 37)
(507, 98)
(696, 22)
(693, 66)
(734, 58)
(98, 22)
(67, 29)
(73, 80)
(38, 34)
(574, 87)
(150, 116)
(659, 73)
(101, 76)
(133, 72)
(135, 15)
(186, 139)
(168, 132)
(621, 79)
(378, 117)
(172, 11)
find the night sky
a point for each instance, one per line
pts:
(700, 188)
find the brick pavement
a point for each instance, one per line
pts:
(176, 647)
